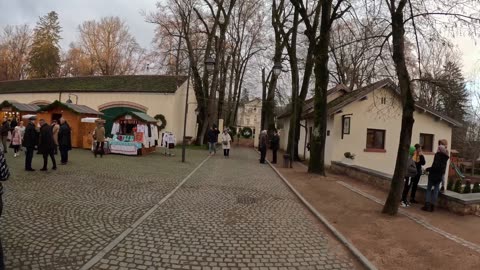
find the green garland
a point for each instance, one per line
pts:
(246, 132)
(161, 118)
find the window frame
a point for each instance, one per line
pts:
(423, 143)
(372, 148)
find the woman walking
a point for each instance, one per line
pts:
(99, 137)
(226, 140)
(16, 141)
(435, 176)
(64, 140)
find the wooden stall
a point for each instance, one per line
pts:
(135, 133)
(13, 109)
(73, 114)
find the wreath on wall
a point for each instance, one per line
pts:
(247, 132)
(161, 118)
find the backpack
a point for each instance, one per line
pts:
(411, 169)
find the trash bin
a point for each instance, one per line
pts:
(286, 161)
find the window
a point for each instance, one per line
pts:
(426, 141)
(375, 139)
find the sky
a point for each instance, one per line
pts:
(73, 12)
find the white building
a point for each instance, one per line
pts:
(367, 122)
(250, 115)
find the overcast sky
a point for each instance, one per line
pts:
(74, 12)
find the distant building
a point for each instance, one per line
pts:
(250, 115)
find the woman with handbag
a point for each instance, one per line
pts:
(226, 140)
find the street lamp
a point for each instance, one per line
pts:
(69, 100)
(186, 114)
(210, 64)
(277, 68)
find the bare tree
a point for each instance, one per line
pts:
(111, 46)
(15, 42)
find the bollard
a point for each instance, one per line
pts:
(286, 161)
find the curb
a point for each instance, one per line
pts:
(363, 260)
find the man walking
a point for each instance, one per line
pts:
(55, 129)
(263, 146)
(64, 140)
(4, 175)
(4, 134)
(30, 140)
(275, 144)
(46, 145)
(212, 139)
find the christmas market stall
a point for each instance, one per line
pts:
(134, 133)
(73, 114)
(15, 110)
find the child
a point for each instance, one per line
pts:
(16, 141)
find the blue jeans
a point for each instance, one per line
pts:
(436, 187)
(212, 147)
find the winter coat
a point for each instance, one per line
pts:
(420, 163)
(55, 130)
(46, 145)
(439, 165)
(275, 142)
(65, 136)
(263, 141)
(99, 134)
(5, 129)
(17, 136)
(30, 138)
(226, 139)
(212, 136)
(13, 124)
(4, 175)
(411, 168)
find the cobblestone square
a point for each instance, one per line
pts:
(229, 214)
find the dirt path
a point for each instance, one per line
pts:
(388, 242)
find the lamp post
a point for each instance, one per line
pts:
(70, 100)
(186, 115)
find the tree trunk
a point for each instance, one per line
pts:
(408, 104)
(317, 144)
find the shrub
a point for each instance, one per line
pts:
(349, 155)
(476, 188)
(450, 184)
(468, 187)
(458, 186)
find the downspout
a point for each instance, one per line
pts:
(305, 141)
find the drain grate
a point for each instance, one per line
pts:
(246, 200)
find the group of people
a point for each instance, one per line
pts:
(48, 139)
(436, 175)
(263, 145)
(225, 138)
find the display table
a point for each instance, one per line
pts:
(125, 148)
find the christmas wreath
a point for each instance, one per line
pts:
(161, 118)
(246, 132)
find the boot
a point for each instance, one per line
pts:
(426, 207)
(432, 208)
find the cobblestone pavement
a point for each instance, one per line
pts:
(231, 214)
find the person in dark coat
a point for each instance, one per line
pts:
(4, 175)
(275, 145)
(30, 140)
(212, 139)
(263, 145)
(46, 145)
(64, 140)
(419, 159)
(435, 176)
(4, 134)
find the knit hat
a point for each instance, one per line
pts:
(412, 150)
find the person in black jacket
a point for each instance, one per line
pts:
(263, 141)
(275, 145)
(46, 145)
(419, 159)
(4, 175)
(435, 177)
(64, 140)
(30, 140)
(4, 134)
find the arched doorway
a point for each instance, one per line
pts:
(114, 109)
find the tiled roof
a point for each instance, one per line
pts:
(82, 109)
(21, 107)
(123, 83)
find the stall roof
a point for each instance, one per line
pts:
(21, 107)
(143, 116)
(82, 109)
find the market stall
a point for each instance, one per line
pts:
(73, 114)
(134, 133)
(13, 109)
